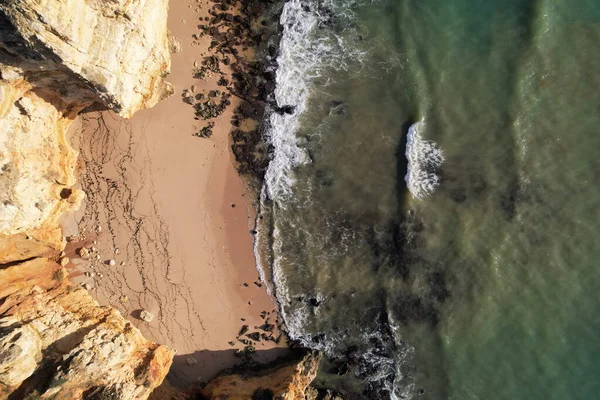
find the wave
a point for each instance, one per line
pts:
(424, 159)
(306, 51)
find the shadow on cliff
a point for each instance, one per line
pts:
(203, 365)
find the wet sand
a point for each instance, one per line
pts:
(171, 207)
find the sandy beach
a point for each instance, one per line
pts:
(168, 223)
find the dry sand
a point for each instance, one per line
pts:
(175, 208)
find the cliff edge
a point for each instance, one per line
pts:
(58, 57)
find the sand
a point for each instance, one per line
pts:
(170, 207)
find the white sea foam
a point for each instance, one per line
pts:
(424, 158)
(308, 50)
(304, 52)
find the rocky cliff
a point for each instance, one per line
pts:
(58, 57)
(57, 343)
(281, 380)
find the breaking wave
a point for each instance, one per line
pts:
(424, 159)
(306, 50)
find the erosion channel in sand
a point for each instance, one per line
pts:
(167, 223)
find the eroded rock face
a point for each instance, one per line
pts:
(56, 58)
(56, 342)
(284, 381)
(37, 170)
(113, 52)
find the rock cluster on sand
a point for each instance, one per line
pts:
(281, 380)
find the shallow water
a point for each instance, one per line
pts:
(484, 288)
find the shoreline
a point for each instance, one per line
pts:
(192, 226)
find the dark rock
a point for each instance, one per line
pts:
(243, 330)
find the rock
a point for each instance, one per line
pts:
(146, 315)
(86, 286)
(57, 342)
(112, 263)
(243, 330)
(84, 253)
(174, 44)
(286, 379)
(57, 37)
(191, 361)
(117, 250)
(64, 261)
(122, 263)
(58, 58)
(123, 299)
(37, 171)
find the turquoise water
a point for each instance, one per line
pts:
(485, 288)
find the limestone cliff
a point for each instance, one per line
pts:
(282, 380)
(114, 52)
(57, 343)
(58, 57)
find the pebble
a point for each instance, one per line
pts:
(112, 262)
(86, 286)
(90, 274)
(84, 253)
(122, 263)
(117, 250)
(146, 315)
(123, 299)
(191, 361)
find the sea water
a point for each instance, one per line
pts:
(429, 215)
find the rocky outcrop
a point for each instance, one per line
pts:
(37, 170)
(57, 343)
(113, 52)
(56, 58)
(282, 380)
